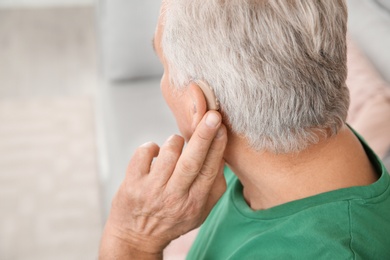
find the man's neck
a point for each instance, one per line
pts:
(274, 179)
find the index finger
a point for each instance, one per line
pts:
(192, 159)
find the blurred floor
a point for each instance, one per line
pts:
(49, 196)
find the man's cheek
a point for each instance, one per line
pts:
(185, 129)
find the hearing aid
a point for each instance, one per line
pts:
(211, 99)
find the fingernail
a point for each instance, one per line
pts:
(220, 132)
(212, 120)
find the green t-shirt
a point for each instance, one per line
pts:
(350, 223)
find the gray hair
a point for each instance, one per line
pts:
(278, 67)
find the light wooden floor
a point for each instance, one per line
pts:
(49, 197)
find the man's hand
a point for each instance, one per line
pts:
(166, 192)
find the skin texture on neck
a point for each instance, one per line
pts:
(271, 179)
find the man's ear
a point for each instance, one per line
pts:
(199, 103)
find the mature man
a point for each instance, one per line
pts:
(300, 183)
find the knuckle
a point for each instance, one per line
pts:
(171, 150)
(176, 140)
(175, 203)
(123, 195)
(146, 148)
(208, 173)
(131, 192)
(190, 166)
(139, 156)
(168, 161)
(171, 200)
(194, 207)
(204, 135)
(168, 157)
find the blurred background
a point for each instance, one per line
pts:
(79, 91)
(50, 205)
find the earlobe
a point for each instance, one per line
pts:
(199, 103)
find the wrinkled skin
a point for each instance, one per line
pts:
(166, 193)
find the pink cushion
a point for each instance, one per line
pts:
(178, 249)
(369, 113)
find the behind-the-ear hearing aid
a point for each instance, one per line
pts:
(211, 99)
